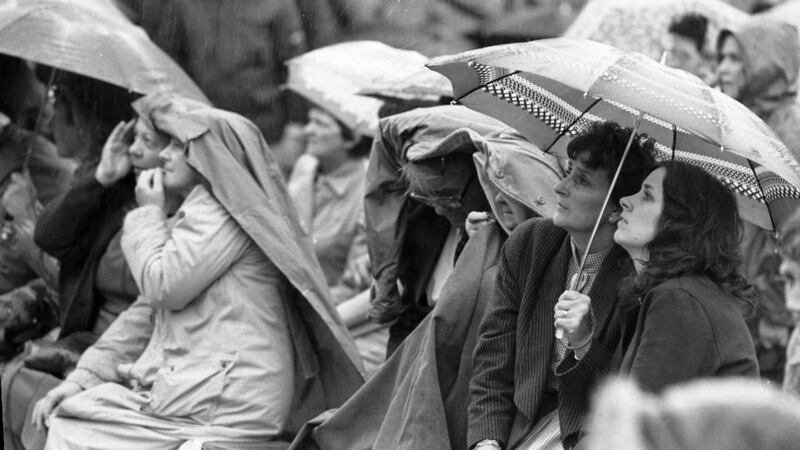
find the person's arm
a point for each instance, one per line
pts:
(173, 267)
(677, 341)
(121, 344)
(62, 225)
(491, 405)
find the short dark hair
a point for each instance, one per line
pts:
(690, 26)
(698, 233)
(604, 143)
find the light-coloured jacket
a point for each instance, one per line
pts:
(208, 339)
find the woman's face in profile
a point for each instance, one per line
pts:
(178, 175)
(146, 147)
(641, 212)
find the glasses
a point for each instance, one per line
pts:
(449, 202)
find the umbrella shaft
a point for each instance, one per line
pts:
(608, 195)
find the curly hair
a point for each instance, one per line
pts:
(603, 144)
(698, 234)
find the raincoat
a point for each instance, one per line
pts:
(408, 137)
(771, 52)
(196, 375)
(418, 399)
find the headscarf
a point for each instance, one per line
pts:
(232, 155)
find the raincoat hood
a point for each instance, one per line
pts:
(231, 154)
(411, 136)
(509, 163)
(771, 52)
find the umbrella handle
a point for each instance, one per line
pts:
(574, 285)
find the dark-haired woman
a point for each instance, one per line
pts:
(327, 189)
(685, 313)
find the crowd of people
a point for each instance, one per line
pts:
(424, 278)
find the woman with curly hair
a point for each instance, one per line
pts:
(684, 315)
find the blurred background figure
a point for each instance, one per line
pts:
(789, 248)
(732, 414)
(685, 44)
(758, 64)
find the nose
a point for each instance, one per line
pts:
(560, 188)
(498, 197)
(308, 129)
(625, 202)
(135, 149)
(164, 155)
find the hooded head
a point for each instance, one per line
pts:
(758, 64)
(514, 173)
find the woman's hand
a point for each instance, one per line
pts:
(115, 162)
(150, 188)
(45, 406)
(19, 199)
(573, 315)
(476, 220)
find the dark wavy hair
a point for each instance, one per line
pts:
(690, 26)
(603, 144)
(698, 234)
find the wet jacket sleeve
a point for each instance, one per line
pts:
(172, 267)
(121, 343)
(60, 230)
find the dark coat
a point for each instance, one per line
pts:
(76, 229)
(515, 348)
(685, 328)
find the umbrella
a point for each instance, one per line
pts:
(344, 78)
(641, 26)
(568, 83)
(94, 39)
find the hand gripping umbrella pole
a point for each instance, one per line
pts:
(576, 283)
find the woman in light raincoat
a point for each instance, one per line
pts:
(418, 399)
(233, 339)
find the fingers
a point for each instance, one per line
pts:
(41, 413)
(158, 180)
(145, 180)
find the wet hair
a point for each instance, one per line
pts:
(690, 26)
(789, 238)
(698, 233)
(103, 104)
(603, 144)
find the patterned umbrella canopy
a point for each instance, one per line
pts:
(91, 38)
(640, 25)
(552, 89)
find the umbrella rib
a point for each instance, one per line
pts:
(766, 204)
(565, 130)
(674, 138)
(481, 86)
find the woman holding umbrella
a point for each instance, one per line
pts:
(684, 316)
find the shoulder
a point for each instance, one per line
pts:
(533, 232)
(695, 293)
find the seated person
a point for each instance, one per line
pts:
(516, 400)
(221, 345)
